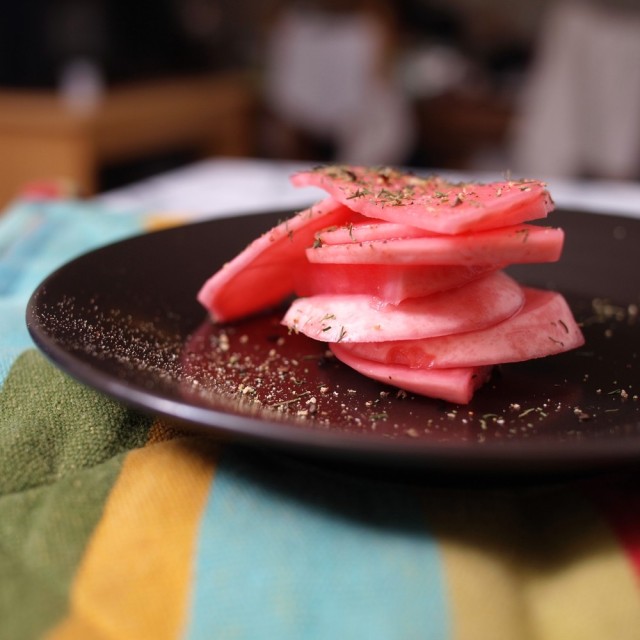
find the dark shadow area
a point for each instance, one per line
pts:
(439, 85)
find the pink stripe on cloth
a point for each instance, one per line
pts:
(619, 503)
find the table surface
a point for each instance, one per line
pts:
(230, 186)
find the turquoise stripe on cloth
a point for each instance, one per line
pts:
(35, 239)
(295, 554)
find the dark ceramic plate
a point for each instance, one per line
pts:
(124, 320)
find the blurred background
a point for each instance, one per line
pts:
(106, 92)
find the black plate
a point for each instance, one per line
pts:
(124, 320)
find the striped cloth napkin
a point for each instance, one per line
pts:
(114, 525)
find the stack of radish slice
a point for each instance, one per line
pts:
(402, 277)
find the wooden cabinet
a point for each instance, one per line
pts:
(454, 127)
(43, 137)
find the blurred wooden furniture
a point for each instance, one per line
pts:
(453, 127)
(43, 137)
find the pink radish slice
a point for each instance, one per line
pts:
(389, 283)
(430, 202)
(365, 232)
(544, 326)
(262, 274)
(360, 318)
(510, 245)
(452, 385)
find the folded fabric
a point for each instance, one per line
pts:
(579, 112)
(113, 524)
(312, 55)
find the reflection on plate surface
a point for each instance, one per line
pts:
(124, 320)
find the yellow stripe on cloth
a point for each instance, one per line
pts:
(135, 578)
(538, 565)
(158, 222)
(161, 431)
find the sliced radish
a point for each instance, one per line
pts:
(431, 203)
(359, 318)
(511, 245)
(544, 326)
(262, 274)
(365, 232)
(452, 385)
(390, 283)
(402, 276)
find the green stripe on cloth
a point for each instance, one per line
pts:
(62, 447)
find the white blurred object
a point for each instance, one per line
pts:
(323, 76)
(580, 113)
(81, 84)
(215, 188)
(433, 70)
